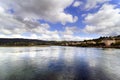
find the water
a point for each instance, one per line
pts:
(59, 63)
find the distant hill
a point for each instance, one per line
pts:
(112, 41)
(22, 42)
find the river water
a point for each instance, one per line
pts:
(59, 63)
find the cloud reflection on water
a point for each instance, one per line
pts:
(59, 63)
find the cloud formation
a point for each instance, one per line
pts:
(105, 22)
(77, 3)
(24, 18)
(50, 10)
(16, 27)
(90, 4)
(19, 19)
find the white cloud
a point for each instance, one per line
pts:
(70, 30)
(52, 37)
(106, 21)
(9, 25)
(1, 10)
(74, 38)
(77, 3)
(14, 27)
(69, 34)
(90, 4)
(13, 36)
(75, 19)
(50, 10)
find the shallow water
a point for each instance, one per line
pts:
(59, 63)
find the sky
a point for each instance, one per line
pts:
(71, 20)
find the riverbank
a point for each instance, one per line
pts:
(105, 42)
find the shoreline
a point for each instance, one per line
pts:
(63, 45)
(28, 46)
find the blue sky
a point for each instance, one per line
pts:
(59, 20)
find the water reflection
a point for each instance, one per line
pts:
(59, 63)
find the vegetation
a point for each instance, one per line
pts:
(113, 41)
(23, 42)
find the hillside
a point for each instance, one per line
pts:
(112, 41)
(22, 42)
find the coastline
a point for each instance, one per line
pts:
(61, 45)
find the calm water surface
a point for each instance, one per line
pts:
(59, 63)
